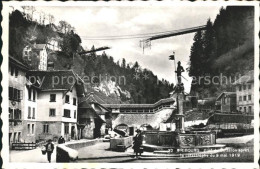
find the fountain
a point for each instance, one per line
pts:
(179, 141)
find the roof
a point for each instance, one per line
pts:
(91, 97)
(17, 63)
(247, 78)
(228, 94)
(98, 97)
(160, 102)
(84, 105)
(207, 101)
(87, 114)
(229, 118)
(56, 80)
(39, 46)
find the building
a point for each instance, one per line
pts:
(140, 108)
(138, 115)
(17, 80)
(57, 103)
(227, 102)
(245, 93)
(206, 104)
(235, 122)
(91, 120)
(36, 55)
(53, 44)
(30, 111)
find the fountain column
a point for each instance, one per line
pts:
(180, 116)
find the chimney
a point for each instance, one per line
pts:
(50, 66)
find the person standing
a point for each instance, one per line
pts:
(61, 140)
(138, 140)
(49, 148)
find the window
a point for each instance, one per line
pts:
(249, 97)
(17, 114)
(10, 93)
(52, 97)
(66, 113)
(249, 86)
(34, 95)
(52, 112)
(29, 94)
(75, 114)
(12, 70)
(33, 113)
(244, 87)
(244, 98)
(29, 112)
(32, 128)
(74, 101)
(240, 108)
(240, 88)
(15, 94)
(224, 100)
(245, 109)
(16, 72)
(249, 109)
(11, 114)
(67, 99)
(66, 128)
(240, 98)
(45, 128)
(28, 128)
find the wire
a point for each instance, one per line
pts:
(135, 36)
(148, 34)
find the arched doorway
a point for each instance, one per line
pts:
(146, 127)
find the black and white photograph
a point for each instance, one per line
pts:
(127, 83)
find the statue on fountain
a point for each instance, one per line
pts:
(179, 71)
(179, 88)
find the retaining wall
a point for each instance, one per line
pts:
(68, 152)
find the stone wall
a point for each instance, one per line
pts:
(68, 152)
(136, 120)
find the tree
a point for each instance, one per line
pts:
(208, 48)
(123, 63)
(70, 43)
(64, 27)
(51, 18)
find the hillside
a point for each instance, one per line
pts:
(111, 81)
(224, 51)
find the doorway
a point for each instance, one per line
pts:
(72, 132)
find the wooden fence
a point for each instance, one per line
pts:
(23, 146)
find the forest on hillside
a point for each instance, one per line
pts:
(225, 48)
(142, 90)
(24, 31)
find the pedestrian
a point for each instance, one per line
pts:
(49, 148)
(61, 140)
(138, 140)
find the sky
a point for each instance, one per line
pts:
(100, 21)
